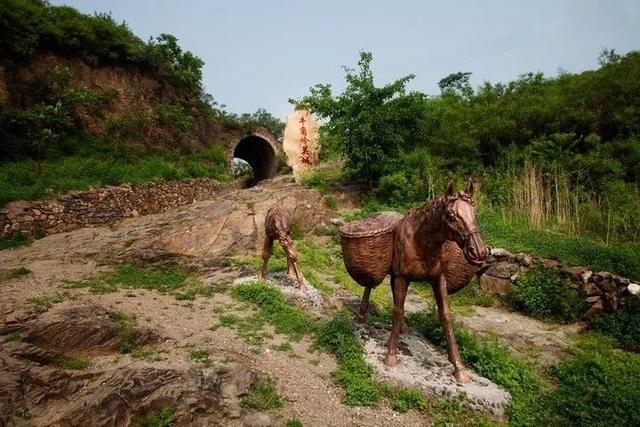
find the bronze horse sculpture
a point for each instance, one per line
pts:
(277, 226)
(439, 243)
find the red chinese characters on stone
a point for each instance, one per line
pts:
(304, 141)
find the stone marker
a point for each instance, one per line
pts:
(301, 142)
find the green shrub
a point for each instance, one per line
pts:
(543, 294)
(623, 325)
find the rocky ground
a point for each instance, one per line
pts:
(61, 346)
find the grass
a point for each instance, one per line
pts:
(598, 385)
(491, 360)
(127, 336)
(174, 280)
(146, 354)
(595, 385)
(622, 325)
(619, 258)
(14, 337)
(355, 375)
(48, 301)
(250, 328)
(274, 308)
(163, 418)
(201, 357)
(14, 240)
(293, 423)
(13, 273)
(18, 181)
(74, 362)
(263, 396)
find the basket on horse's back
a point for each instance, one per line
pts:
(367, 248)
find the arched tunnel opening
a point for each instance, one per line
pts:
(259, 154)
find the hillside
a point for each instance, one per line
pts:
(84, 102)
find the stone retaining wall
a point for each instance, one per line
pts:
(602, 291)
(101, 206)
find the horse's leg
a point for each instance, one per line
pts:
(267, 251)
(399, 286)
(404, 329)
(364, 306)
(294, 267)
(442, 299)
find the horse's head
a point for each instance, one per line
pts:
(460, 225)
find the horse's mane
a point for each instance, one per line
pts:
(438, 202)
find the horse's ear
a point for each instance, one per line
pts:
(470, 188)
(450, 190)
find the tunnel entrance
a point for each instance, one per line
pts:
(259, 154)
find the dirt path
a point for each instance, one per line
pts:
(536, 340)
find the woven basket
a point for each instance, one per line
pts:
(367, 248)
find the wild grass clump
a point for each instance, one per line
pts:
(250, 328)
(48, 301)
(543, 294)
(263, 396)
(163, 418)
(74, 362)
(13, 273)
(201, 357)
(323, 179)
(14, 240)
(127, 335)
(354, 374)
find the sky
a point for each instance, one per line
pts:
(260, 53)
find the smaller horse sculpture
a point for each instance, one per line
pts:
(440, 243)
(277, 226)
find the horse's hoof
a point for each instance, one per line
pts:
(461, 376)
(391, 360)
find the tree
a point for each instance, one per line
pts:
(373, 124)
(261, 118)
(457, 84)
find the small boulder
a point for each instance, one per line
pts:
(495, 285)
(634, 289)
(596, 308)
(551, 264)
(500, 253)
(592, 290)
(575, 273)
(259, 419)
